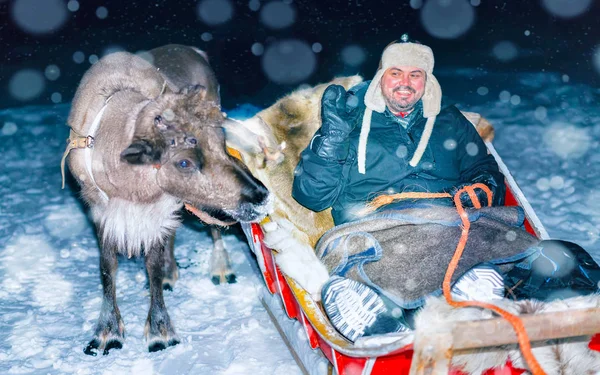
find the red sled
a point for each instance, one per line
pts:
(323, 350)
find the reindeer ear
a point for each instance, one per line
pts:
(142, 151)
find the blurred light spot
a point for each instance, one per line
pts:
(557, 182)
(402, 151)
(73, 5)
(483, 90)
(26, 84)
(78, 57)
(353, 55)
(317, 47)
(566, 8)
(596, 58)
(447, 19)
(450, 144)
(168, 114)
(52, 72)
(352, 101)
(277, 15)
(257, 49)
(397, 312)
(289, 61)
(505, 51)
(65, 253)
(568, 141)
(102, 12)
(565, 78)
(416, 4)
(411, 284)
(146, 56)
(206, 37)
(541, 113)
(511, 235)
(56, 97)
(476, 3)
(9, 128)
(472, 149)
(112, 49)
(515, 100)
(140, 277)
(427, 165)
(543, 184)
(254, 5)
(39, 17)
(527, 32)
(504, 96)
(93, 59)
(215, 12)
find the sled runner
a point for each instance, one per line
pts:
(292, 308)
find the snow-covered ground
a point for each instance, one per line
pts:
(547, 131)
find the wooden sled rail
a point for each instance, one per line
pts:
(433, 351)
(545, 326)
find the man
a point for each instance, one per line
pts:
(406, 141)
(393, 135)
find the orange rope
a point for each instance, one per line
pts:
(514, 320)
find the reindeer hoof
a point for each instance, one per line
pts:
(161, 345)
(93, 347)
(231, 279)
(167, 286)
(221, 279)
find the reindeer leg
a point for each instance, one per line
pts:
(159, 330)
(220, 266)
(110, 330)
(171, 274)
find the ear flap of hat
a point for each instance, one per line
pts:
(432, 98)
(374, 98)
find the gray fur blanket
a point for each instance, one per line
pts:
(405, 253)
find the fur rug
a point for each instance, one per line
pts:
(570, 356)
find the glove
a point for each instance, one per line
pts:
(483, 178)
(339, 115)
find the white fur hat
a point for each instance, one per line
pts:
(403, 53)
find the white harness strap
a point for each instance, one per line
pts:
(88, 151)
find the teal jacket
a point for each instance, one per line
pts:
(455, 154)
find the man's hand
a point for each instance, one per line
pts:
(338, 111)
(339, 116)
(484, 178)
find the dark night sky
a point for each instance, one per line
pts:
(554, 43)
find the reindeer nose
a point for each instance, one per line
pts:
(255, 193)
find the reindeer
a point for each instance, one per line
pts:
(141, 148)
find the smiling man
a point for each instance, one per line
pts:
(392, 135)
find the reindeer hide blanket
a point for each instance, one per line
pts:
(405, 253)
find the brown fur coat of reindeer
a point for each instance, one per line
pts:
(152, 147)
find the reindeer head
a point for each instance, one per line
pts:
(181, 135)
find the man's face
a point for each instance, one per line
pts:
(402, 87)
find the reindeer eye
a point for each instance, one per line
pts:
(192, 140)
(172, 142)
(157, 120)
(184, 164)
